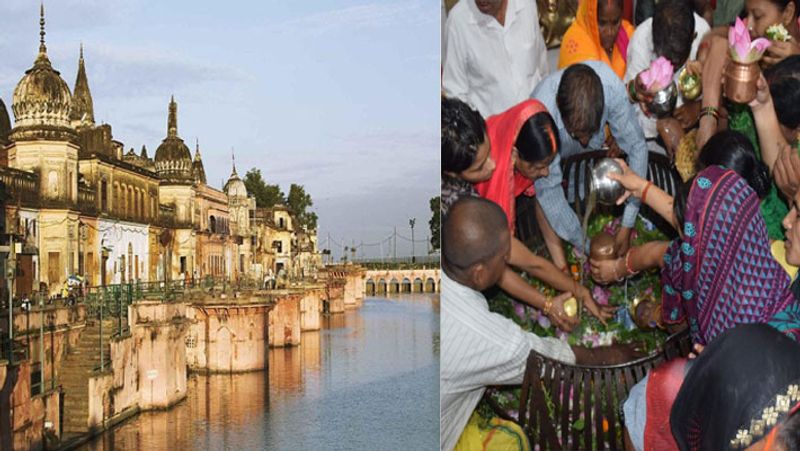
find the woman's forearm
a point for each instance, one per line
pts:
(551, 239)
(770, 137)
(648, 255)
(514, 285)
(541, 268)
(657, 199)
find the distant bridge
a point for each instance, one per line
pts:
(402, 281)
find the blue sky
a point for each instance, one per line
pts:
(339, 96)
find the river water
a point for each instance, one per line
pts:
(368, 380)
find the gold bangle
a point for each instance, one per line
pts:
(548, 305)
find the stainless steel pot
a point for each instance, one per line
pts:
(663, 101)
(605, 190)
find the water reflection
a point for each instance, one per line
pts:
(368, 380)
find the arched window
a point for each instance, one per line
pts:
(212, 224)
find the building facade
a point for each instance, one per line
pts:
(77, 204)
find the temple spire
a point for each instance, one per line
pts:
(198, 172)
(233, 163)
(42, 46)
(41, 58)
(172, 121)
(82, 104)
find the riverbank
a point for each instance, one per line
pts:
(368, 379)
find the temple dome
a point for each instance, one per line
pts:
(173, 159)
(42, 97)
(173, 148)
(235, 187)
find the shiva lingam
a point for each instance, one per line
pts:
(646, 313)
(602, 247)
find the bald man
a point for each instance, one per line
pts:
(479, 348)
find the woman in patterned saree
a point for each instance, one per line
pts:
(719, 274)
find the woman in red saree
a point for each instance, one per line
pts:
(467, 160)
(599, 33)
(524, 142)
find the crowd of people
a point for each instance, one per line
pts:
(729, 277)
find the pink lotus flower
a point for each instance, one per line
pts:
(742, 49)
(658, 76)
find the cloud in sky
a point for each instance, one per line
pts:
(339, 96)
(361, 16)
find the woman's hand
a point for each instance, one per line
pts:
(787, 172)
(630, 180)
(601, 312)
(779, 51)
(607, 271)
(559, 317)
(763, 97)
(694, 68)
(696, 350)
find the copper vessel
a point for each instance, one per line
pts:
(602, 247)
(740, 81)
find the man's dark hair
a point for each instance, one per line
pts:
(580, 99)
(673, 31)
(463, 130)
(784, 86)
(472, 232)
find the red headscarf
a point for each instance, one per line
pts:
(506, 184)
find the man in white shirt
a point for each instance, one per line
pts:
(493, 53)
(481, 348)
(674, 32)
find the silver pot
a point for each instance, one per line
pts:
(663, 101)
(605, 190)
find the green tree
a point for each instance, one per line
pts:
(266, 195)
(300, 202)
(435, 223)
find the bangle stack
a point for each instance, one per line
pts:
(709, 111)
(548, 305)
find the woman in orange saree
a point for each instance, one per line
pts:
(599, 33)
